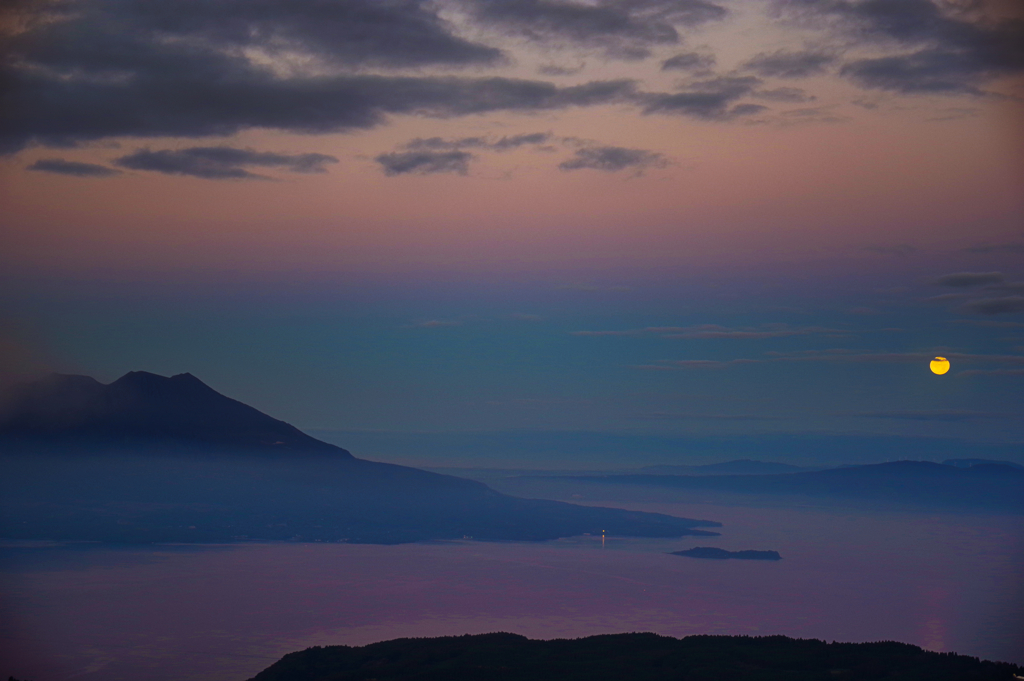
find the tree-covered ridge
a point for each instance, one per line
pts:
(630, 657)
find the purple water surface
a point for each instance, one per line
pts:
(945, 582)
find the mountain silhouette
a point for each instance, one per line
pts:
(144, 408)
(154, 459)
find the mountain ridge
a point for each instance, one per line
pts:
(143, 408)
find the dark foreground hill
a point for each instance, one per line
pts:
(155, 459)
(629, 657)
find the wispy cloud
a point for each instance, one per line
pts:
(970, 279)
(673, 364)
(787, 64)
(435, 323)
(901, 250)
(939, 415)
(785, 94)
(711, 99)
(946, 298)
(989, 323)
(429, 155)
(714, 331)
(222, 163)
(504, 143)
(843, 356)
(582, 286)
(683, 416)
(995, 306)
(425, 162)
(613, 159)
(1011, 247)
(992, 372)
(556, 70)
(688, 61)
(74, 168)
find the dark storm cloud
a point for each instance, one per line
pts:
(613, 159)
(709, 99)
(220, 163)
(783, 64)
(969, 279)
(950, 48)
(210, 97)
(146, 69)
(994, 306)
(75, 168)
(387, 33)
(625, 29)
(688, 61)
(425, 162)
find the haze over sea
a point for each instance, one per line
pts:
(942, 581)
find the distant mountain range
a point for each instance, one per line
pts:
(154, 459)
(737, 467)
(991, 486)
(636, 657)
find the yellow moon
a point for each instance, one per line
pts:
(939, 365)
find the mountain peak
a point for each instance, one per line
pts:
(143, 406)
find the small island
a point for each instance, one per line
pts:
(722, 554)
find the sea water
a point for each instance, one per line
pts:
(947, 582)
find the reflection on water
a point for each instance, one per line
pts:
(940, 581)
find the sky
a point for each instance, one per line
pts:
(647, 221)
